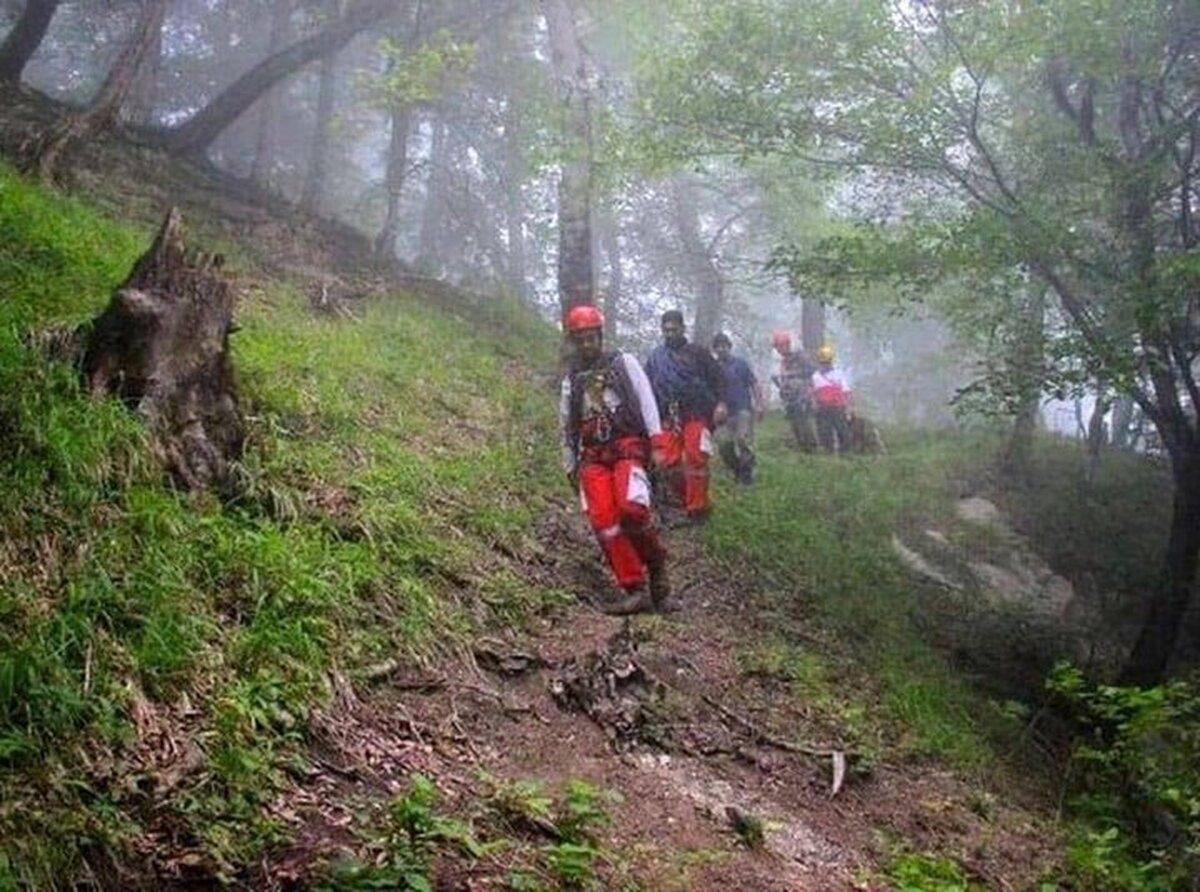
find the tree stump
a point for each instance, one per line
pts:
(162, 346)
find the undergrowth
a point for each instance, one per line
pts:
(1133, 783)
(538, 841)
(386, 459)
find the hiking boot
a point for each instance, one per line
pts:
(660, 588)
(636, 600)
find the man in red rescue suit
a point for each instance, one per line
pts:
(610, 427)
(690, 387)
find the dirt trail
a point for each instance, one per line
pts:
(670, 730)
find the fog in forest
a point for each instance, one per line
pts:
(946, 225)
(443, 138)
(982, 215)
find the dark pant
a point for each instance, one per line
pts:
(735, 443)
(800, 417)
(832, 425)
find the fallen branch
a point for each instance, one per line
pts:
(414, 728)
(498, 657)
(764, 736)
(347, 772)
(761, 735)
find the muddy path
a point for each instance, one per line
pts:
(661, 711)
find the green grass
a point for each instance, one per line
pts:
(822, 527)
(385, 457)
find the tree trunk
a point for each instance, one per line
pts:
(198, 132)
(397, 159)
(25, 37)
(576, 274)
(515, 227)
(575, 271)
(1026, 362)
(101, 114)
(265, 137)
(429, 253)
(701, 267)
(140, 105)
(1018, 452)
(1097, 437)
(1151, 654)
(1122, 423)
(812, 324)
(162, 346)
(397, 168)
(710, 306)
(315, 183)
(514, 203)
(610, 237)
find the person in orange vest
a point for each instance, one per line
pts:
(690, 387)
(831, 395)
(611, 429)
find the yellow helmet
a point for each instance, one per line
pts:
(825, 353)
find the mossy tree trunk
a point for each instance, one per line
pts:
(162, 346)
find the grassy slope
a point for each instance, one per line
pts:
(385, 458)
(824, 525)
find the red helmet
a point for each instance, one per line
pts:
(782, 340)
(583, 317)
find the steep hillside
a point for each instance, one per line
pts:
(375, 665)
(394, 456)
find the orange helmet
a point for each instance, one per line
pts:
(583, 317)
(782, 340)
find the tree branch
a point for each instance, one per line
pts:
(1084, 116)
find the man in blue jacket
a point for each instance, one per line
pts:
(744, 400)
(690, 388)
